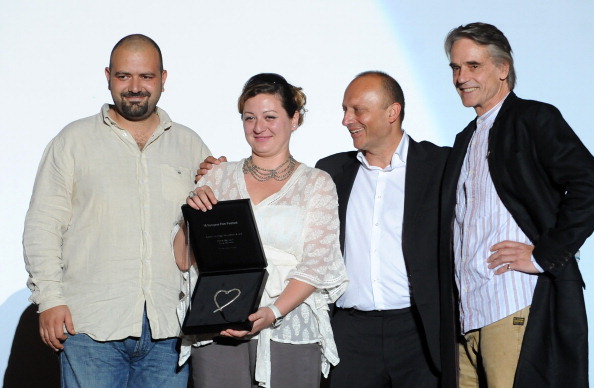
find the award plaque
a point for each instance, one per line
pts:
(231, 266)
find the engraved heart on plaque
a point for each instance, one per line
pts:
(234, 292)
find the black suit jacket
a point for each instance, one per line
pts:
(424, 170)
(544, 176)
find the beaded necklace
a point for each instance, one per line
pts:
(279, 173)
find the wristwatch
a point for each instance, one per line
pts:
(278, 317)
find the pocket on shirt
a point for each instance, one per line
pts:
(176, 182)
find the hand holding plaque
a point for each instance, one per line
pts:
(231, 266)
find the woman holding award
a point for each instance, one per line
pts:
(296, 210)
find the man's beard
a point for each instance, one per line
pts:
(136, 110)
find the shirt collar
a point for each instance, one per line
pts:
(398, 158)
(165, 121)
(490, 115)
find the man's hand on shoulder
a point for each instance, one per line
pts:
(51, 326)
(207, 165)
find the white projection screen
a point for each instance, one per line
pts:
(53, 55)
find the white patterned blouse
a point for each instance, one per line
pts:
(299, 229)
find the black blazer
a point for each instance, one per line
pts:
(424, 169)
(544, 176)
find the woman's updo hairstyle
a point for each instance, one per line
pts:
(292, 97)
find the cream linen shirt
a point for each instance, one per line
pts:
(97, 231)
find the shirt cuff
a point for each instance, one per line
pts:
(538, 267)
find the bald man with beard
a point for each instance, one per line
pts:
(96, 240)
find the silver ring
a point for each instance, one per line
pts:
(508, 266)
(192, 194)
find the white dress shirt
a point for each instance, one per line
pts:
(373, 242)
